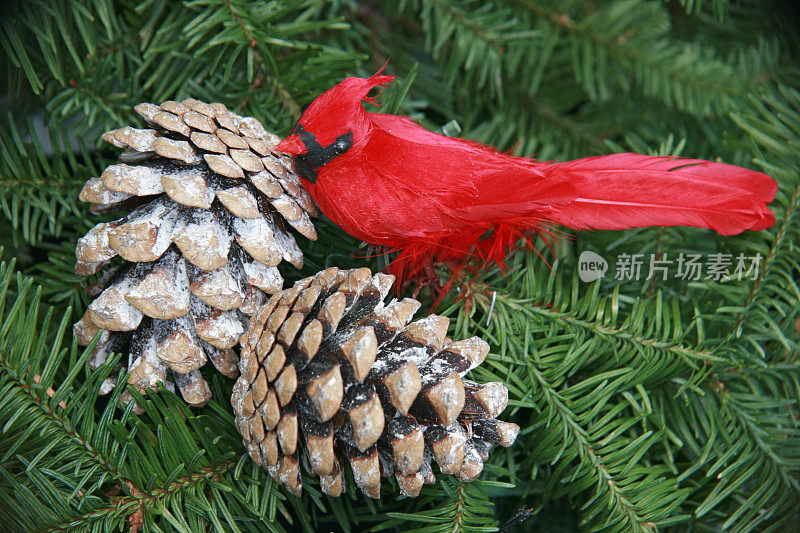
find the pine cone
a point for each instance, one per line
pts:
(197, 254)
(328, 372)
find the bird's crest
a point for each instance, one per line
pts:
(336, 112)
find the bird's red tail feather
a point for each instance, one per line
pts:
(629, 190)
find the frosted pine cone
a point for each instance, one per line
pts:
(330, 374)
(197, 254)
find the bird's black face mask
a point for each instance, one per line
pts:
(317, 155)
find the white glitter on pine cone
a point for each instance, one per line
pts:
(330, 374)
(208, 202)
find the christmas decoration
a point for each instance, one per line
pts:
(650, 405)
(367, 170)
(330, 375)
(196, 255)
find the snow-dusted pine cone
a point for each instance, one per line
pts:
(330, 374)
(196, 256)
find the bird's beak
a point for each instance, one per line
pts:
(292, 145)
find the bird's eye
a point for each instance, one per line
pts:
(340, 146)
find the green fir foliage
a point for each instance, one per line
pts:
(645, 405)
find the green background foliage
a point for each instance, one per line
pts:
(644, 405)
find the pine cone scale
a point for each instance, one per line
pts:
(385, 395)
(407, 444)
(203, 240)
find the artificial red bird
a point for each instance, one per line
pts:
(388, 181)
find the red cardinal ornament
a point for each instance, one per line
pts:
(388, 181)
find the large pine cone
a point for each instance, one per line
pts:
(329, 372)
(198, 252)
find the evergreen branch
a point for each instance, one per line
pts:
(788, 229)
(470, 38)
(91, 453)
(208, 48)
(38, 192)
(775, 288)
(601, 329)
(574, 435)
(741, 438)
(462, 508)
(56, 421)
(718, 7)
(280, 89)
(140, 502)
(564, 122)
(549, 303)
(681, 75)
(113, 112)
(785, 466)
(565, 358)
(482, 34)
(744, 422)
(477, 46)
